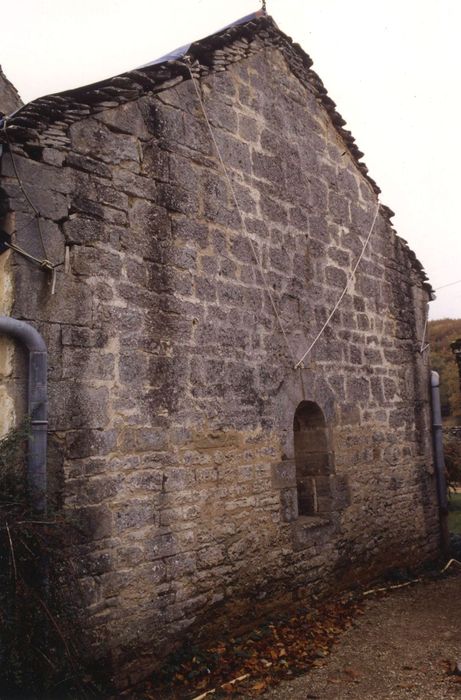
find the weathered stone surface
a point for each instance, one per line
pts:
(172, 388)
(91, 138)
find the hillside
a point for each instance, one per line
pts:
(440, 334)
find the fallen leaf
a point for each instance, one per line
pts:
(352, 673)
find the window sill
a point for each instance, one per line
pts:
(307, 529)
(308, 522)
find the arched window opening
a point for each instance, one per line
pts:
(312, 459)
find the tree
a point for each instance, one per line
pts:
(441, 334)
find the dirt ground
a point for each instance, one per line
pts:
(405, 645)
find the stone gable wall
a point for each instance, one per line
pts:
(172, 390)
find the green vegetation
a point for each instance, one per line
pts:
(454, 515)
(38, 660)
(441, 334)
(452, 455)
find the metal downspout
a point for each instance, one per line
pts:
(439, 462)
(37, 407)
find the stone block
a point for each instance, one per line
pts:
(127, 119)
(178, 479)
(176, 199)
(196, 135)
(142, 439)
(145, 481)
(373, 356)
(390, 388)
(91, 208)
(349, 414)
(30, 234)
(88, 363)
(37, 176)
(149, 217)
(289, 505)
(91, 491)
(134, 185)
(86, 164)
(134, 514)
(268, 168)
(206, 475)
(319, 196)
(162, 546)
(93, 563)
(90, 137)
(339, 208)
(283, 474)
(87, 443)
(84, 231)
(79, 336)
(210, 557)
(248, 128)
(51, 205)
(224, 216)
(93, 522)
(336, 276)
(181, 565)
(340, 492)
(221, 115)
(273, 210)
(358, 389)
(129, 556)
(76, 405)
(311, 533)
(42, 305)
(99, 190)
(155, 161)
(235, 153)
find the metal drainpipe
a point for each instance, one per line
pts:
(37, 407)
(439, 462)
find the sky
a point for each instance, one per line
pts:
(393, 69)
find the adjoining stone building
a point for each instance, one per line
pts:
(10, 100)
(209, 477)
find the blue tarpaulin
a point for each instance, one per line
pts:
(182, 50)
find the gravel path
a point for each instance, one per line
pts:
(405, 645)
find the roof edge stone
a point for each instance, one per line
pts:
(211, 54)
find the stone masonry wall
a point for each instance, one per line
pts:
(7, 414)
(172, 390)
(9, 101)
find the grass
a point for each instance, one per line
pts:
(454, 515)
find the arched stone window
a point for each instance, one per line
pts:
(313, 460)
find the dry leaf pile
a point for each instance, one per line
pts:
(278, 650)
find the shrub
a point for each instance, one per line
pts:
(452, 453)
(38, 660)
